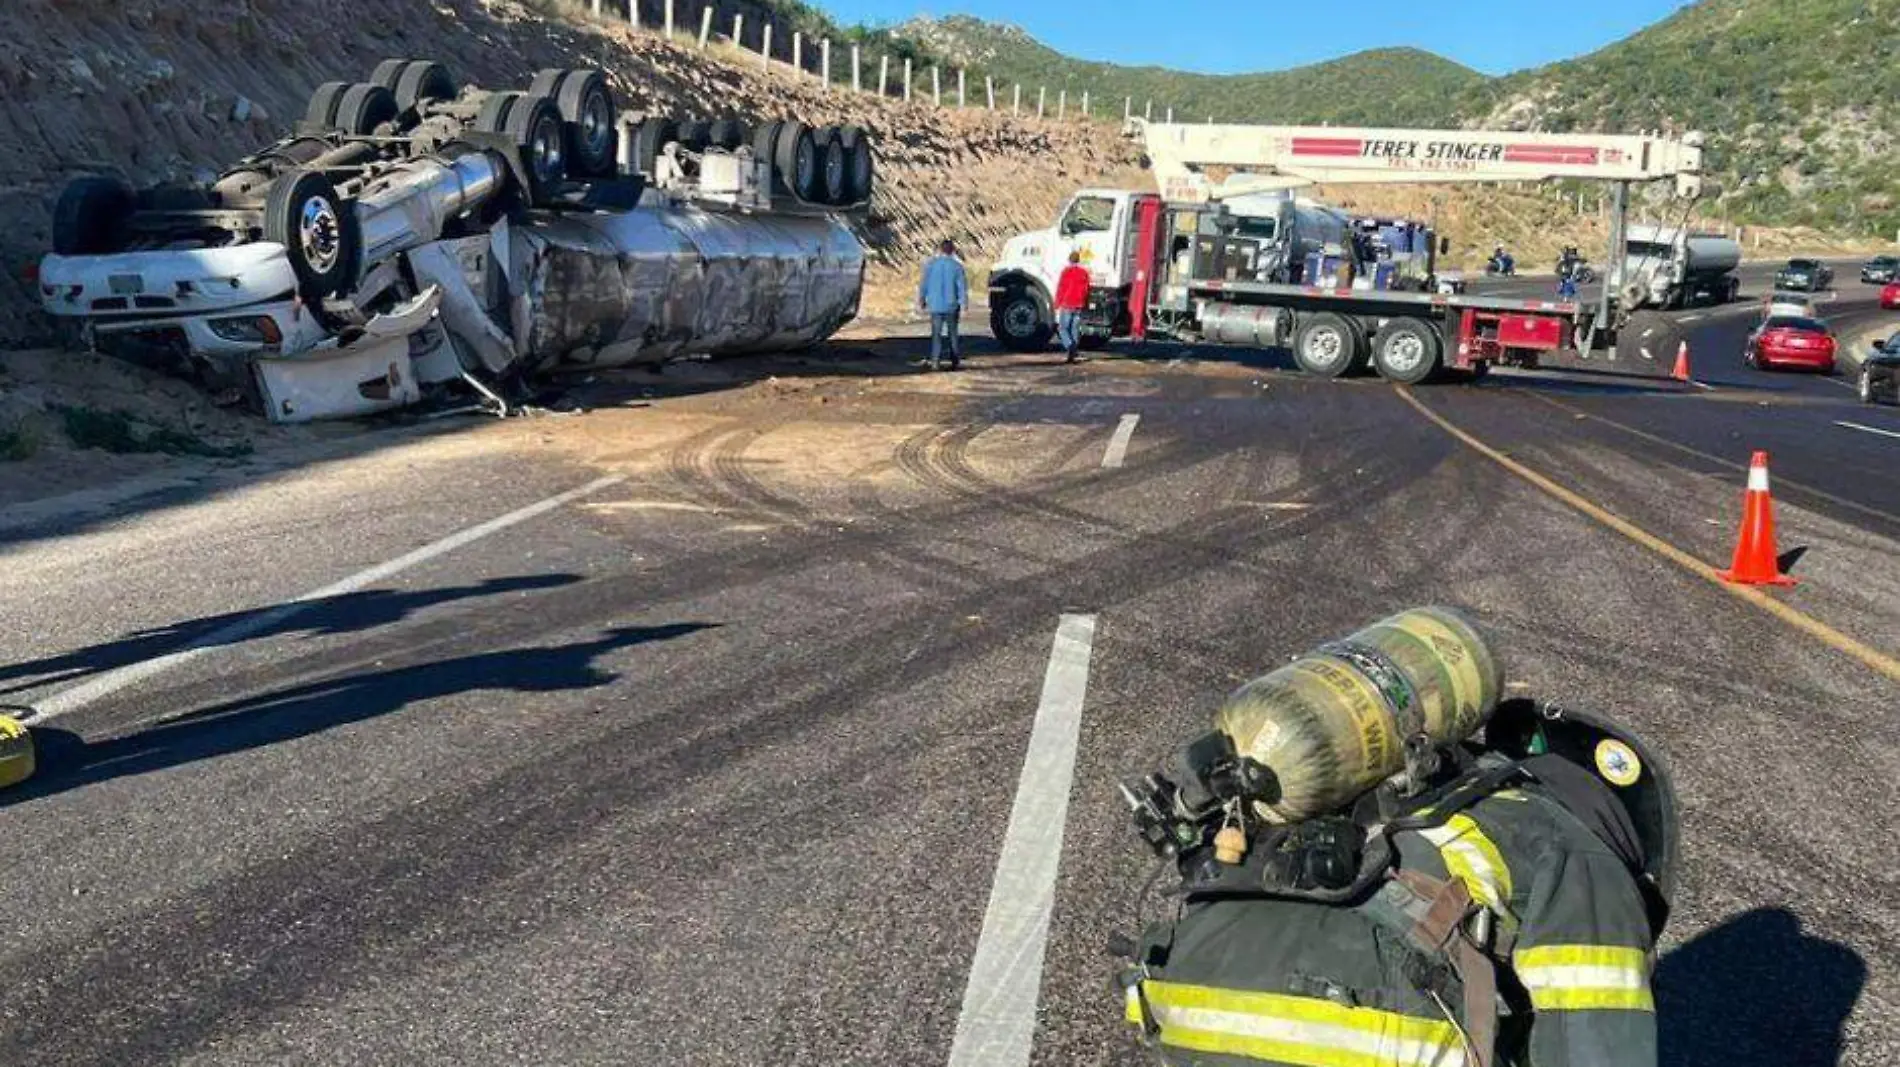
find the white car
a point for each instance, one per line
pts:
(1793, 305)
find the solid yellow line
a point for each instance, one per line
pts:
(1780, 481)
(1800, 620)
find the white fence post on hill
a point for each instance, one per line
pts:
(961, 99)
(738, 30)
(1062, 103)
(1148, 111)
(989, 92)
(765, 53)
(884, 74)
(1016, 101)
(824, 60)
(1042, 99)
(1085, 103)
(798, 51)
(667, 7)
(936, 86)
(633, 13)
(857, 79)
(705, 26)
(906, 79)
(596, 8)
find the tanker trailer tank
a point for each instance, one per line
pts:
(670, 280)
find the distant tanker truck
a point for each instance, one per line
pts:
(1670, 267)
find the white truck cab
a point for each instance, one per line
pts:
(1098, 223)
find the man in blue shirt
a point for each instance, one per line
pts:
(943, 292)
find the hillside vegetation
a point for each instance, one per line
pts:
(1800, 100)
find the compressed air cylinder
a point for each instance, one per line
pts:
(1333, 723)
(16, 752)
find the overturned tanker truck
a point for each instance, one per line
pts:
(413, 237)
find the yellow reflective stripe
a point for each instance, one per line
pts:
(1585, 977)
(1299, 1031)
(1471, 858)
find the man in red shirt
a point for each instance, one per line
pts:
(1072, 295)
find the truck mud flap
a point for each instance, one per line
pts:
(363, 379)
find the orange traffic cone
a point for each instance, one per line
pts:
(1681, 373)
(1755, 560)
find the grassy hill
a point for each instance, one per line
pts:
(1419, 86)
(1801, 100)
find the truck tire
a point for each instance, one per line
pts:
(534, 123)
(421, 82)
(1326, 345)
(364, 107)
(1406, 351)
(695, 135)
(795, 154)
(90, 215)
(587, 110)
(652, 136)
(859, 169)
(388, 72)
(728, 134)
(318, 231)
(321, 111)
(834, 168)
(1020, 319)
(764, 140)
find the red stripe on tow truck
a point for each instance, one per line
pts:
(1327, 146)
(1543, 153)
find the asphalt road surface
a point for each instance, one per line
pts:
(694, 731)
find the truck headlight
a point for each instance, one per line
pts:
(248, 330)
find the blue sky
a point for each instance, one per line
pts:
(1238, 36)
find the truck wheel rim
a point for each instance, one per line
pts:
(1404, 353)
(1020, 318)
(596, 124)
(1324, 347)
(545, 149)
(320, 234)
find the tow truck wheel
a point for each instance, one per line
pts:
(796, 156)
(423, 81)
(318, 231)
(833, 158)
(89, 215)
(364, 107)
(587, 107)
(1325, 345)
(534, 122)
(1405, 351)
(1020, 320)
(858, 167)
(321, 111)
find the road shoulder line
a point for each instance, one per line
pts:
(1800, 620)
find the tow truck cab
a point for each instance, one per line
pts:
(1095, 223)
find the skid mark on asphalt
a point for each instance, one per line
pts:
(1118, 444)
(67, 701)
(1794, 617)
(997, 1024)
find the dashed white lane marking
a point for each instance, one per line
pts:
(1692, 318)
(997, 1024)
(1118, 444)
(1867, 429)
(1700, 385)
(67, 701)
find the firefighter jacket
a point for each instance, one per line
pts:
(1262, 980)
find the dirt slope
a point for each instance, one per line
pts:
(159, 88)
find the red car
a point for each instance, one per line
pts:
(1790, 341)
(1890, 296)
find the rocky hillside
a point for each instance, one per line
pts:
(1421, 86)
(162, 88)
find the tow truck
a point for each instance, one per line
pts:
(1191, 263)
